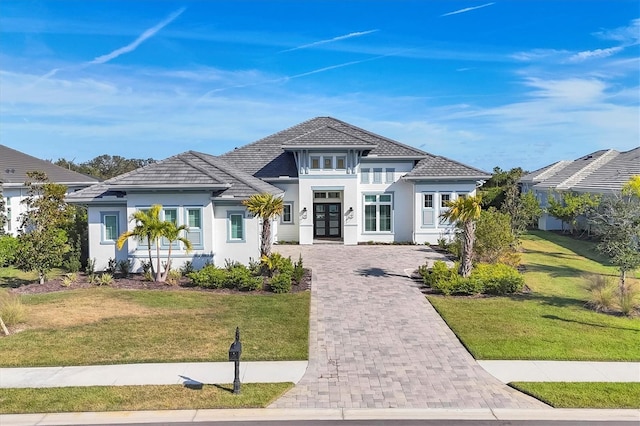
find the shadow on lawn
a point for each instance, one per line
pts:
(557, 301)
(559, 270)
(590, 324)
(14, 282)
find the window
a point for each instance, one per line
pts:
(236, 226)
(364, 175)
(377, 213)
(444, 199)
(377, 175)
(170, 215)
(287, 210)
(428, 212)
(333, 194)
(341, 163)
(109, 227)
(320, 195)
(315, 163)
(327, 163)
(389, 178)
(194, 226)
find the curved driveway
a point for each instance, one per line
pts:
(376, 341)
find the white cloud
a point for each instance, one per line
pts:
(597, 53)
(137, 42)
(331, 40)
(538, 54)
(467, 9)
(628, 35)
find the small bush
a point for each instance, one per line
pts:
(124, 267)
(112, 266)
(69, 279)
(627, 299)
(73, 264)
(12, 310)
(173, 278)
(298, 270)
(601, 292)
(241, 278)
(8, 249)
(90, 270)
(277, 263)
(187, 268)
(281, 283)
(497, 278)
(209, 277)
(105, 279)
(439, 271)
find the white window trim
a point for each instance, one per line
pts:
(377, 203)
(244, 226)
(377, 175)
(365, 172)
(431, 209)
(291, 220)
(194, 229)
(103, 227)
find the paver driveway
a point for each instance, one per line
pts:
(376, 342)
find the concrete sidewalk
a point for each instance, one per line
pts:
(340, 414)
(562, 371)
(152, 374)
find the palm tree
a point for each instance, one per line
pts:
(266, 206)
(148, 229)
(171, 232)
(465, 211)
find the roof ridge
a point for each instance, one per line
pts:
(195, 166)
(552, 170)
(328, 126)
(585, 171)
(238, 174)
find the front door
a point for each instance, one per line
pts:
(326, 220)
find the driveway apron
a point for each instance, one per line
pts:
(376, 341)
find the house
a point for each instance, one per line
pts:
(14, 166)
(602, 172)
(339, 183)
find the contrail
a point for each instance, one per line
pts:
(137, 42)
(467, 9)
(331, 40)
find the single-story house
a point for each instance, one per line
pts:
(338, 182)
(14, 166)
(602, 172)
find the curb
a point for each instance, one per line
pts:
(270, 414)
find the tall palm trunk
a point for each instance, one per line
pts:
(153, 270)
(265, 240)
(466, 264)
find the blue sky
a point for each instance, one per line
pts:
(488, 83)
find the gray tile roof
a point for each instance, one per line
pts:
(436, 167)
(328, 136)
(14, 166)
(600, 171)
(266, 158)
(189, 170)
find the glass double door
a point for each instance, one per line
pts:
(327, 221)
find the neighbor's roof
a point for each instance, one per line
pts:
(14, 166)
(436, 167)
(189, 170)
(267, 158)
(600, 171)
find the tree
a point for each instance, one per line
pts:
(266, 206)
(105, 166)
(632, 187)
(571, 206)
(617, 222)
(494, 191)
(494, 238)
(42, 238)
(150, 229)
(523, 209)
(3, 213)
(465, 211)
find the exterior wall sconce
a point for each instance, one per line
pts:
(303, 213)
(304, 210)
(350, 210)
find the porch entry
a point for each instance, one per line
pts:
(327, 220)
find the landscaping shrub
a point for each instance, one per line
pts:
(69, 279)
(173, 278)
(601, 292)
(209, 277)
(298, 270)
(187, 268)
(497, 278)
(12, 311)
(494, 237)
(105, 279)
(439, 271)
(281, 283)
(241, 278)
(90, 270)
(628, 299)
(277, 263)
(124, 267)
(8, 248)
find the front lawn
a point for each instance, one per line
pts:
(133, 398)
(552, 321)
(114, 326)
(583, 394)
(13, 277)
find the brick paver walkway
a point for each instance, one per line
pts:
(376, 342)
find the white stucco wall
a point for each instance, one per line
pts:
(225, 248)
(431, 233)
(99, 249)
(288, 231)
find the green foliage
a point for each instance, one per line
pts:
(632, 187)
(174, 277)
(187, 268)
(523, 210)
(112, 265)
(42, 235)
(105, 166)
(105, 279)
(277, 263)
(124, 267)
(90, 270)
(438, 272)
(241, 278)
(494, 238)
(12, 311)
(209, 277)
(3, 214)
(465, 211)
(497, 279)
(69, 279)
(601, 292)
(571, 206)
(8, 250)
(298, 270)
(495, 190)
(281, 283)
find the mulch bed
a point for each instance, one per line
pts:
(137, 282)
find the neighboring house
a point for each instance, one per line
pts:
(602, 172)
(338, 182)
(14, 166)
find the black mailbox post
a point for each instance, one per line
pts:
(234, 355)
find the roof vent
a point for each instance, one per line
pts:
(10, 170)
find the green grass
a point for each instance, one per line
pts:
(107, 326)
(130, 398)
(583, 395)
(552, 321)
(12, 277)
